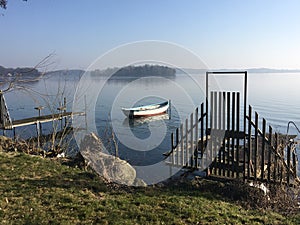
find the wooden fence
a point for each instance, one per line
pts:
(222, 140)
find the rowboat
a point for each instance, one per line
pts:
(146, 110)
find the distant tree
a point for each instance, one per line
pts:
(3, 3)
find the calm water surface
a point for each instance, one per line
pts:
(276, 97)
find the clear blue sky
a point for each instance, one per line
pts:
(224, 33)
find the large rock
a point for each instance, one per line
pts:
(110, 167)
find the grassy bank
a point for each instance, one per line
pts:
(41, 191)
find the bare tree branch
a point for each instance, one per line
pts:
(10, 82)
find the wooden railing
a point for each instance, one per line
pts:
(221, 141)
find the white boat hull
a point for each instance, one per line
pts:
(148, 110)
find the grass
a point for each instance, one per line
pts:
(42, 191)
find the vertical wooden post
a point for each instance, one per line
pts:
(269, 153)
(192, 139)
(262, 168)
(228, 137)
(211, 112)
(186, 142)
(249, 150)
(256, 146)
(65, 110)
(238, 133)
(172, 148)
(38, 133)
(202, 136)
(276, 158)
(232, 137)
(182, 144)
(294, 158)
(220, 141)
(14, 130)
(245, 121)
(196, 138)
(288, 162)
(223, 130)
(170, 109)
(176, 145)
(214, 134)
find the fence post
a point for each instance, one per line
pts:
(269, 153)
(256, 146)
(288, 159)
(232, 136)
(187, 142)
(196, 138)
(192, 139)
(263, 150)
(249, 160)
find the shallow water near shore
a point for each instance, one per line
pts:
(275, 96)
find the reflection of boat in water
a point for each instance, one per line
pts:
(144, 120)
(146, 110)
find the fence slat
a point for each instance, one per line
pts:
(186, 142)
(196, 138)
(255, 145)
(262, 168)
(276, 158)
(223, 128)
(270, 153)
(238, 131)
(181, 145)
(172, 148)
(249, 150)
(232, 137)
(202, 135)
(288, 162)
(228, 138)
(219, 148)
(192, 140)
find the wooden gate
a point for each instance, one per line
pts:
(225, 139)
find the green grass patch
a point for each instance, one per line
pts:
(42, 191)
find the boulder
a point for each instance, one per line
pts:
(110, 167)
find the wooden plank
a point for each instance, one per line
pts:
(249, 150)
(294, 165)
(220, 111)
(215, 110)
(219, 128)
(202, 135)
(172, 148)
(233, 138)
(182, 144)
(288, 159)
(214, 137)
(42, 119)
(196, 137)
(238, 130)
(255, 145)
(228, 139)
(211, 110)
(270, 154)
(262, 167)
(177, 146)
(276, 158)
(223, 128)
(192, 139)
(206, 133)
(186, 142)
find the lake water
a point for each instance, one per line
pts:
(276, 97)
